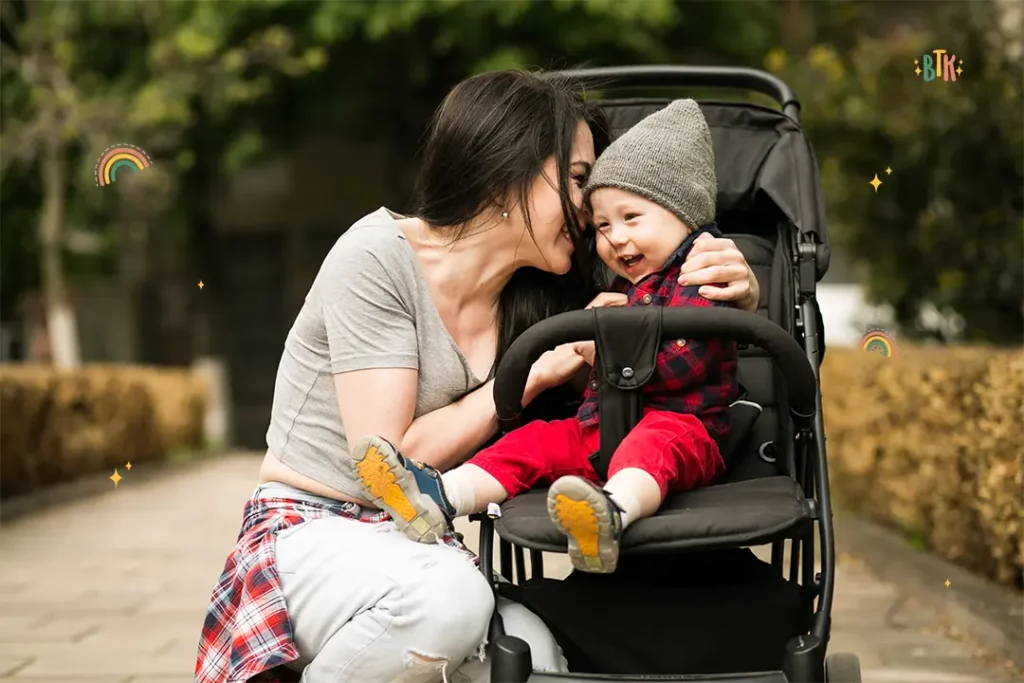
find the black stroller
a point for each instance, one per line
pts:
(690, 601)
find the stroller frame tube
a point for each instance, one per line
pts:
(805, 252)
(822, 618)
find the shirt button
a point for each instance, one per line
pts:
(680, 343)
(594, 386)
(647, 298)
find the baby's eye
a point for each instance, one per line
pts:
(603, 225)
(631, 216)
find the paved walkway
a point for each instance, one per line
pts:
(112, 589)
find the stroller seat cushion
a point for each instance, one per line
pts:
(723, 515)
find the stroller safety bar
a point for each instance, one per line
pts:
(669, 76)
(749, 328)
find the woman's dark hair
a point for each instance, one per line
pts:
(487, 141)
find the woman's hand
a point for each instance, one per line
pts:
(717, 260)
(554, 368)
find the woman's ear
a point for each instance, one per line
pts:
(506, 208)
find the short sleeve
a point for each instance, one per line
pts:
(368, 318)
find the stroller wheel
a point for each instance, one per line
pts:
(842, 667)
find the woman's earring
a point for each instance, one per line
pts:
(504, 215)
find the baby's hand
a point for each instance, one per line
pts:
(608, 299)
(585, 350)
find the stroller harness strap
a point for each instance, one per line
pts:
(626, 356)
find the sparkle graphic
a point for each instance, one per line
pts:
(201, 285)
(948, 584)
(128, 467)
(918, 69)
(116, 478)
(875, 182)
(959, 68)
(888, 170)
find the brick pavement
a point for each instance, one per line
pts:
(112, 589)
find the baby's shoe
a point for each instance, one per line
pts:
(591, 521)
(411, 492)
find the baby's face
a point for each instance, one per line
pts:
(635, 236)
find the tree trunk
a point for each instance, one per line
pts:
(60, 314)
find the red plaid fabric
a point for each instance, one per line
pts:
(692, 376)
(247, 634)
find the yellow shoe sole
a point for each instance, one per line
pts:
(393, 489)
(584, 515)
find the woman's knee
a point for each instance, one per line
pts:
(520, 622)
(450, 609)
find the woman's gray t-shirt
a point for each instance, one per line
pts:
(369, 307)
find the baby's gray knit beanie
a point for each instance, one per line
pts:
(667, 158)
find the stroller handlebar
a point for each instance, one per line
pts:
(749, 328)
(672, 76)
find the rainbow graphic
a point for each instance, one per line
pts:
(879, 341)
(120, 158)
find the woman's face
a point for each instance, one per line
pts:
(550, 248)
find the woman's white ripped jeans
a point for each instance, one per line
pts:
(368, 605)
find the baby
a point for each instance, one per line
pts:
(651, 194)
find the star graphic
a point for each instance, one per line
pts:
(948, 584)
(128, 466)
(875, 182)
(201, 285)
(918, 69)
(116, 478)
(888, 171)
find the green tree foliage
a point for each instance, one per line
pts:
(207, 87)
(390, 62)
(946, 227)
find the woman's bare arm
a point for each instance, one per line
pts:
(447, 436)
(444, 437)
(441, 438)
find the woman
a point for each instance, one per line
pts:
(398, 337)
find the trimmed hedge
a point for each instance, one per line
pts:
(931, 442)
(56, 426)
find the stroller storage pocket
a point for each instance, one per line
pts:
(710, 612)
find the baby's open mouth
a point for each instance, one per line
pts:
(630, 261)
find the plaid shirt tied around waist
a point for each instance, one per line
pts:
(691, 376)
(247, 632)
